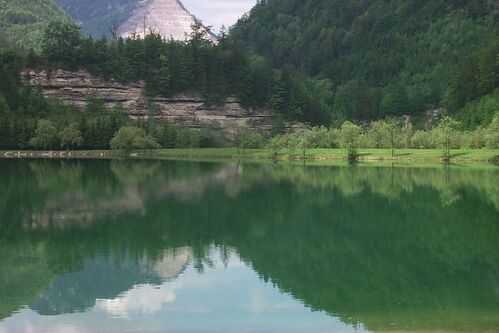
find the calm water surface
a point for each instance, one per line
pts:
(166, 246)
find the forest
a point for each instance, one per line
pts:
(385, 58)
(167, 67)
(367, 84)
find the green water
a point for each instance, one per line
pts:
(166, 246)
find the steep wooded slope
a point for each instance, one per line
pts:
(22, 21)
(383, 57)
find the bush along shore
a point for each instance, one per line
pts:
(390, 139)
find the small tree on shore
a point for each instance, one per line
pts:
(391, 129)
(129, 138)
(241, 139)
(45, 135)
(445, 131)
(348, 135)
(70, 137)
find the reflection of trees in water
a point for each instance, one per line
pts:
(134, 172)
(79, 192)
(24, 273)
(406, 261)
(372, 245)
(389, 182)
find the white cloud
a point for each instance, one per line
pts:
(145, 299)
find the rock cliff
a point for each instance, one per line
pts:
(189, 108)
(169, 18)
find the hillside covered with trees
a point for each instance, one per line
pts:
(22, 22)
(397, 57)
(167, 67)
(381, 80)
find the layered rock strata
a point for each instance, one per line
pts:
(190, 109)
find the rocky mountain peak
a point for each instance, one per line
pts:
(169, 18)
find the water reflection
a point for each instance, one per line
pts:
(379, 248)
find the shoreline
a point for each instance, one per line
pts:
(365, 155)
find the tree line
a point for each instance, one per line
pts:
(215, 70)
(390, 133)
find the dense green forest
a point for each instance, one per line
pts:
(22, 22)
(384, 57)
(431, 55)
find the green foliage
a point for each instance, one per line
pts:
(391, 134)
(388, 132)
(23, 21)
(445, 130)
(384, 58)
(46, 135)
(71, 137)
(246, 138)
(169, 68)
(479, 112)
(4, 107)
(62, 44)
(349, 134)
(129, 137)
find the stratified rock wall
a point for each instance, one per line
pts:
(190, 109)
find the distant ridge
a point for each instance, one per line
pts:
(169, 18)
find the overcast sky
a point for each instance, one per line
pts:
(218, 12)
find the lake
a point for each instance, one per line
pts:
(176, 246)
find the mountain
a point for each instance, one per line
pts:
(169, 18)
(22, 21)
(98, 16)
(383, 57)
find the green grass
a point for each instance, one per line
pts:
(415, 155)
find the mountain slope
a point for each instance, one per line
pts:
(384, 57)
(97, 16)
(169, 18)
(22, 21)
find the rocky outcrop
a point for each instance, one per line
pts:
(189, 109)
(169, 18)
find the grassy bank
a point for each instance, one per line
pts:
(412, 155)
(423, 155)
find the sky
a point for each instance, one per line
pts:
(218, 12)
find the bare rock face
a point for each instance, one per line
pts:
(190, 109)
(169, 18)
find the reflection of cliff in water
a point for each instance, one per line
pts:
(71, 194)
(393, 248)
(106, 277)
(65, 194)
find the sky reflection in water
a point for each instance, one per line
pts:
(158, 246)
